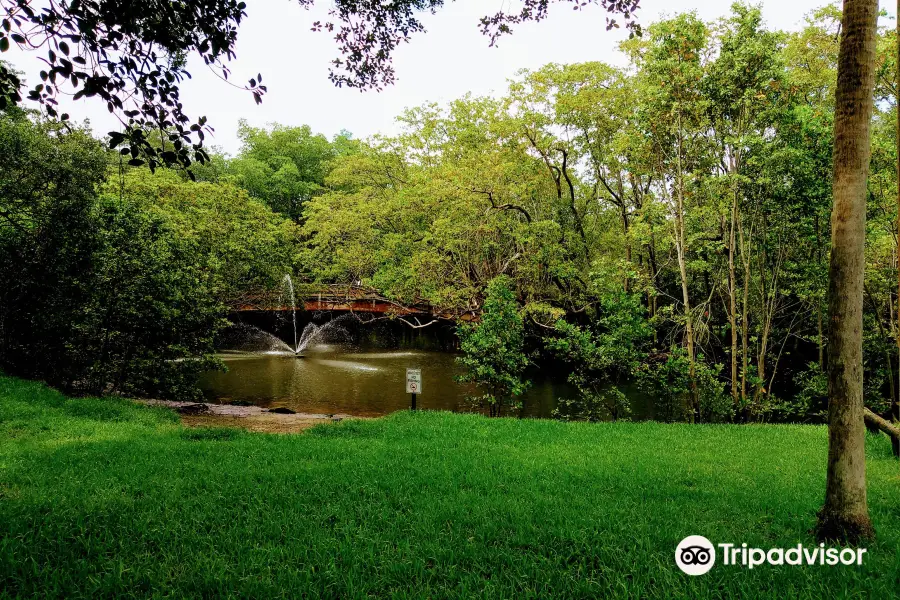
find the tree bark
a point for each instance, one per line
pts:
(732, 314)
(882, 424)
(845, 514)
(745, 315)
(895, 400)
(624, 212)
(654, 275)
(681, 252)
(819, 328)
(732, 304)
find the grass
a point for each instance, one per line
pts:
(105, 498)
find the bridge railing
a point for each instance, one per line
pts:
(343, 298)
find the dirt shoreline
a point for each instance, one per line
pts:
(252, 418)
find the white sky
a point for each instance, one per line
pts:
(452, 58)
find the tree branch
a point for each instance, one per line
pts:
(506, 206)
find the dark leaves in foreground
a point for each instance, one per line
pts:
(132, 55)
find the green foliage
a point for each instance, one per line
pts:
(811, 400)
(436, 213)
(711, 152)
(142, 88)
(698, 176)
(47, 199)
(494, 356)
(592, 404)
(237, 241)
(602, 358)
(285, 166)
(120, 292)
(668, 379)
(149, 327)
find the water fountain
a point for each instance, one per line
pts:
(287, 295)
(241, 337)
(312, 332)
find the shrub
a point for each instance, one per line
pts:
(602, 358)
(668, 379)
(493, 349)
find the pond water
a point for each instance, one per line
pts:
(359, 368)
(361, 382)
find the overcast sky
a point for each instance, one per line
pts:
(452, 58)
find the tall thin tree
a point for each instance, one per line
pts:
(895, 400)
(845, 515)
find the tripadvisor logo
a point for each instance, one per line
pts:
(696, 555)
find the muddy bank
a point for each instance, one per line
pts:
(253, 418)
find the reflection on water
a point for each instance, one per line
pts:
(332, 380)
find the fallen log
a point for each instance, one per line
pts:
(881, 424)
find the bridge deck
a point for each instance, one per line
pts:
(353, 299)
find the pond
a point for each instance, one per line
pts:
(361, 382)
(360, 369)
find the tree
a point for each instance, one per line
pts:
(580, 120)
(437, 212)
(148, 325)
(97, 295)
(285, 166)
(47, 185)
(119, 285)
(493, 349)
(741, 84)
(807, 146)
(675, 116)
(895, 400)
(845, 515)
(240, 244)
(481, 187)
(132, 56)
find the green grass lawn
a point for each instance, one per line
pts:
(101, 497)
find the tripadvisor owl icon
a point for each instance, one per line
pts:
(695, 555)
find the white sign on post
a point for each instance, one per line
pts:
(414, 381)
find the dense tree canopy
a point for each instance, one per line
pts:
(663, 226)
(285, 167)
(119, 284)
(696, 179)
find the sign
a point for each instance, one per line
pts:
(414, 381)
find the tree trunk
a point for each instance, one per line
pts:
(624, 212)
(819, 328)
(845, 514)
(654, 274)
(895, 400)
(745, 316)
(732, 304)
(821, 343)
(882, 424)
(768, 306)
(681, 252)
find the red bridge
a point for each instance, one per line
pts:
(346, 298)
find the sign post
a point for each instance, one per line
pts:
(413, 384)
